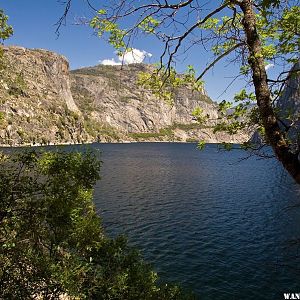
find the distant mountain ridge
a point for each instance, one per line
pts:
(43, 102)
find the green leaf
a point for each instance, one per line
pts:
(201, 145)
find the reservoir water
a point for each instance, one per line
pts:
(221, 225)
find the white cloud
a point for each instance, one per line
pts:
(110, 62)
(135, 56)
(269, 66)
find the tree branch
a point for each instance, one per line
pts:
(219, 58)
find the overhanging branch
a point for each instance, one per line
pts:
(219, 58)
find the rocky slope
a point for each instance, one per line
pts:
(36, 102)
(42, 102)
(289, 105)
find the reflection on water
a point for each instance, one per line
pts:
(218, 226)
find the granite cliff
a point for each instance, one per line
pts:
(36, 104)
(288, 108)
(42, 102)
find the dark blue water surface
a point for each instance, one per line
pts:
(222, 227)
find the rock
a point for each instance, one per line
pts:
(112, 96)
(289, 106)
(45, 103)
(289, 102)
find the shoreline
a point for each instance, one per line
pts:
(89, 143)
(122, 142)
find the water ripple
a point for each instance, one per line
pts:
(219, 227)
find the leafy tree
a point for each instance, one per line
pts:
(5, 30)
(51, 239)
(248, 32)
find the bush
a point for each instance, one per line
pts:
(51, 239)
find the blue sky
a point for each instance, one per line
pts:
(34, 27)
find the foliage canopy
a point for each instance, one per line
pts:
(51, 239)
(5, 30)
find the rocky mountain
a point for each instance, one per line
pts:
(289, 105)
(290, 98)
(36, 101)
(42, 102)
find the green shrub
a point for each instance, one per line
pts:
(187, 127)
(98, 130)
(192, 140)
(51, 239)
(2, 118)
(17, 86)
(166, 132)
(125, 99)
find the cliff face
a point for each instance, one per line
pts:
(36, 100)
(289, 102)
(117, 100)
(42, 103)
(110, 96)
(289, 106)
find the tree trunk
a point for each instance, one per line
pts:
(275, 136)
